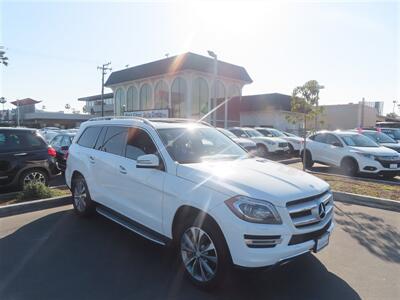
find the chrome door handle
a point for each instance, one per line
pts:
(20, 154)
(122, 170)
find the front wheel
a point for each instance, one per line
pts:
(349, 167)
(203, 254)
(83, 204)
(262, 150)
(33, 176)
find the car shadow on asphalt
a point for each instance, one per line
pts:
(378, 237)
(61, 256)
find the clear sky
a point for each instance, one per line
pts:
(350, 47)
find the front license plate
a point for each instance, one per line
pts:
(321, 243)
(393, 166)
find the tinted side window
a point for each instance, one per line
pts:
(331, 139)
(139, 143)
(320, 138)
(89, 136)
(20, 140)
(115, 140)
(100, 139)
(236, 132)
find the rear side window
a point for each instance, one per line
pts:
(237, 132)
(20, 141)
(100, 139)
(89, 136)
(139, 143)
(320, 138)
(115, 140)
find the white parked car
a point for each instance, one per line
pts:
(189, 185)
(382, 139)
(265, 145)
(353, 152)
(248, 144)
(294, 142)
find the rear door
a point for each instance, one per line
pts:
(334, 150)
(318, 147)
(19, 151)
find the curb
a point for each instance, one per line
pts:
(374, 202)
(289, 161)
(24, 207)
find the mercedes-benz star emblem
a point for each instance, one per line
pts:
(321, 210)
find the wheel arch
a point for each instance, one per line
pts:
(349, 157)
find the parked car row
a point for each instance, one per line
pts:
(354, 152)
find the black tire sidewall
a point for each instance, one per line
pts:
(222, 253)
(350, 171)
(264, 150)
(90, 205)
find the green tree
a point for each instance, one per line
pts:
(305, 105)
(3, 58)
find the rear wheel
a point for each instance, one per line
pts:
(262, 150)
(203, 253)
(83, 204)
(291, 149)
(33, 176)
(309, 162)
(349, 167)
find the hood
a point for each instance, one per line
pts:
(254, 177)
(270, 139)
(244, 141)
(375, 150)
(393, 146)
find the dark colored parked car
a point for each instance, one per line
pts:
(25, 157)
(61, 143)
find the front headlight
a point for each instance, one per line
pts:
(253, 210)
(366, 155)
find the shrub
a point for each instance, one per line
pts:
(35, 191)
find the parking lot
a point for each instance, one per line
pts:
(52, 254)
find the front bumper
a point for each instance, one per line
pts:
(254, 257)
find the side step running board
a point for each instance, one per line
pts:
(132, 225)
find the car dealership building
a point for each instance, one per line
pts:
(183, 86)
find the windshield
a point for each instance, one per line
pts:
(253, 133)
(194, 145)
(227, 133)
(380, 137)
(393, 133)
(358, 140)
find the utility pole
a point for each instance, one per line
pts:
(214, 102)
(362, 112)
(394, 106)
(104, 68)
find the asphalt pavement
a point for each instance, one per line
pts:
(53, 254)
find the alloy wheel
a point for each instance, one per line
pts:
(80, 195)
(199, 254)
(34, 177)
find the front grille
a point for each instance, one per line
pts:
(282, 145)
(387, 162)
(310, 211)
(309, 236)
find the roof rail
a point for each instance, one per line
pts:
(178, 120)
(144, 120)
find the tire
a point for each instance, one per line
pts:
(262, 150)
(291, 149)
(349, 167)
(33, 176)
(309, 162)
(205, 268)
(83, 204)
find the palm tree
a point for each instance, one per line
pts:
(3, 58)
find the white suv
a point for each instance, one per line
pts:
(294, 142)
(353, 153)
(265, 145)
(186, 184)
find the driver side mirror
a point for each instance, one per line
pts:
(149, 161)
(337, 144)
(243, 135)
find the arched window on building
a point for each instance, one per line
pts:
(132, 101)
(119, 102)
(178, 98)
(146, 97)
(161, 95)
(200, 96)
(219, 93)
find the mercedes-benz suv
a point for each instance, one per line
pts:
(187, 185)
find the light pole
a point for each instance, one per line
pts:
(213, 104)
(104, 68)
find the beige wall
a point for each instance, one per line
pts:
(347, 116)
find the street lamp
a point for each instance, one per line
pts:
(213, 55)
